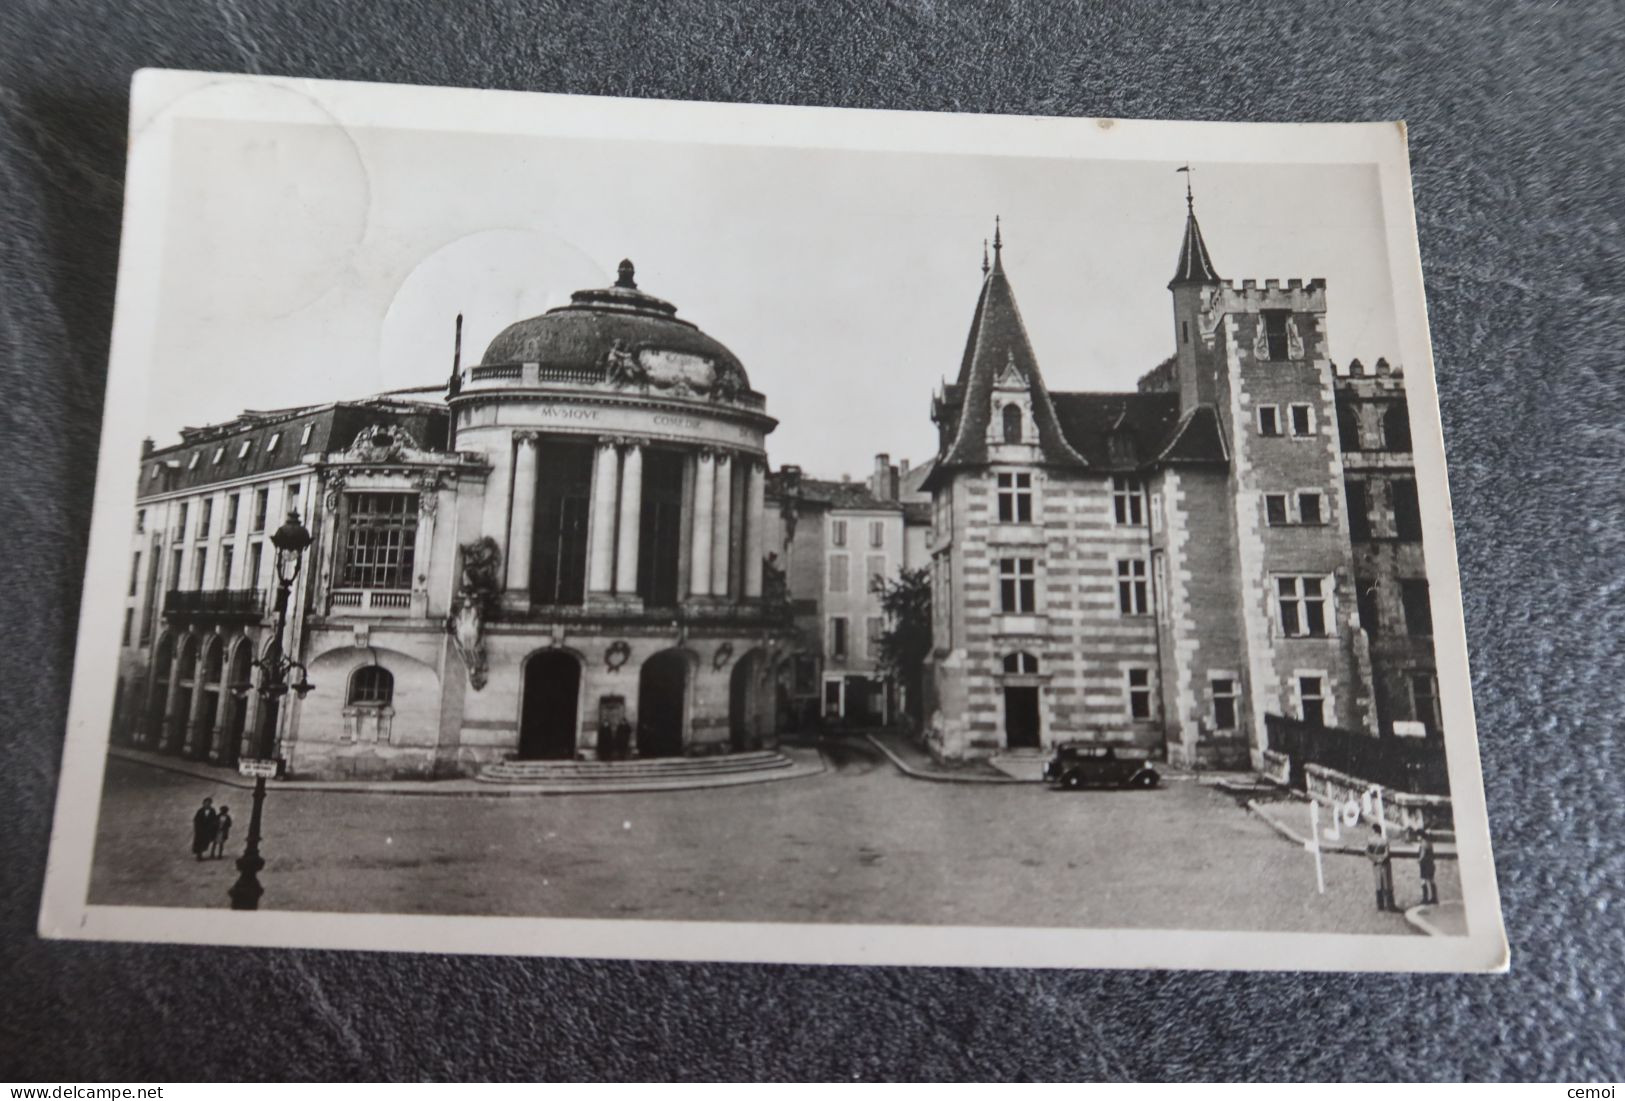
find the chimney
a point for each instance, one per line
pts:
(147, 447)
(878, 480)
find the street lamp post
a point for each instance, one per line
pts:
(290, 541)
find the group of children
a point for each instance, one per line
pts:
(1377, 850)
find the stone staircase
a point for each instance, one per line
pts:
(652, 772)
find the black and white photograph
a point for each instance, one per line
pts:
(549, 525)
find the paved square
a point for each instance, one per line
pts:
(859, 843)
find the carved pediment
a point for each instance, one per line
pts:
(384, 443)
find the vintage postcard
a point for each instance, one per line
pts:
(568, 526)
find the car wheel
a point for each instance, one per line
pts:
(1146, 780)
(1072, 781)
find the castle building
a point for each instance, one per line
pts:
(574, 536)
(1158, 569)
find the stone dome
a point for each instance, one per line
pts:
(583, 335)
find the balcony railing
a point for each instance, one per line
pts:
(218, 603)
(370, 602)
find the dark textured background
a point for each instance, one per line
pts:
(1516, 142)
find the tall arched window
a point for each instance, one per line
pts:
(1012, 423)
(371, 686)
(1021, 662)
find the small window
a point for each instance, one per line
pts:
(1184, 332)
(1396, 427)
(877, 533)
(140, 520)
(153, 477)
(254, 566)
(200, 567)
(1309, 508)
(180, 525)
(1131, 586)
(1312, 699)
(837, 637)
(1348, 426)
(832, 699)
(1275, 509)
(1302, 605)
(1015, 498)
(1359, 506)
(129, 624)
(371, 686)
(1303, 420)
(227, 553)
(1275, 323)
(1407, 510)
(1425, 701)
(837, 533)
(219, 453)
(262, 505)
(1012, 423)
(1128, 501)
(1224, 701)
(1021, 663)
(1269, 420)
(1017, 586)
(191, 463)
(1366, 598)
(242, 452)
(1413, 594)
(304, 437)
(276, 438)
(205, 518)
(135, 572)
(840, 577)
(233, 504)
(1139, 693)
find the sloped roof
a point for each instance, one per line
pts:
(1195, 265)
(997, 341)
(819, 491)
(1198, 438)
(1117, 430)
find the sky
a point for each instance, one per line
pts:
(307, 263)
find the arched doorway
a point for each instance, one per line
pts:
(175, 733)
(744, 703)
(214, 664)
(662, 704)
(237, 710)
(152, 731)
(547, 722)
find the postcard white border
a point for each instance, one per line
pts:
(159, 98)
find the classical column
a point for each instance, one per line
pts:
(626, 557)
(601, 555)
(523, 521)
(195, 740)
(222, 710)
(722, 524)
(172, 698)
(494, 515)
(699, 561)
(755, 526)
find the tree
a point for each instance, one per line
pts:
(906, 641)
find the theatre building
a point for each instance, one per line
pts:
(573, 537)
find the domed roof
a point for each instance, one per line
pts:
(582, 335)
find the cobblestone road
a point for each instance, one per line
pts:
(860, 843)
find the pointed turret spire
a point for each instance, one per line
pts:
(998, 239)
(1195, 265)
(984, 255)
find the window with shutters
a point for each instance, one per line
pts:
(840, 579)
(380, 537)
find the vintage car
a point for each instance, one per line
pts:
(1076, 765)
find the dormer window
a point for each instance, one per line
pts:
(219, 453)
(242, 452)
(1012, 423)
(192, 463)
(276, 438)
(304, 437)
